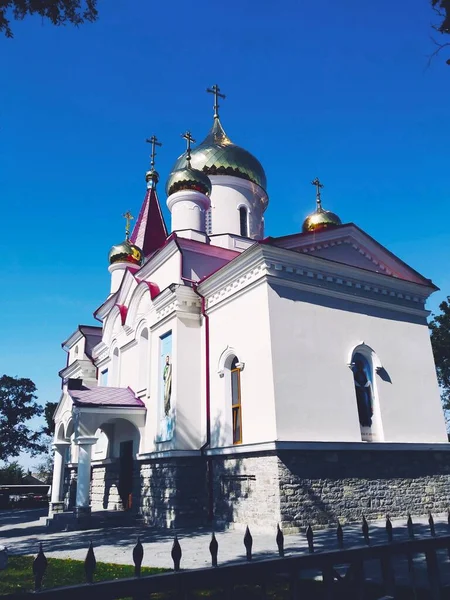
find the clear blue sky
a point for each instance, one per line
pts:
(338, 90)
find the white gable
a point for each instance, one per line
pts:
(351, 246)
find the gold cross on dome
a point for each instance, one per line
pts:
(154, 142)
(215, 89)
(319, 186)
(189, 139)
(128, 218)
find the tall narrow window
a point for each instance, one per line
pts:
(143, 359)
(236, 401)
(243, 219)
(115, 368)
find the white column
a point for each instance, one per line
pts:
(84, 471)
(56, 503)
(58, 471)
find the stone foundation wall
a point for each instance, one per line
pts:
(104, 482)
(246, 491)
(172, 493)
(318, 487)
(298, 488)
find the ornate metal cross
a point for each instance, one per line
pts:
(319, 186)
(128, 218)
(154, 142)
(215, 89)
(189, 139)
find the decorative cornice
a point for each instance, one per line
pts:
(78, 367)
(313, 273)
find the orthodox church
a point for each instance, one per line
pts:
(239, 378)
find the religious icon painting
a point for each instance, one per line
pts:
(166, 413)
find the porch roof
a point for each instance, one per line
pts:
(105, 396)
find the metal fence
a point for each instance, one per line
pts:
(339, 571)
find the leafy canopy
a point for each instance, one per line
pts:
(58, 12)
(440, 341)
(17, 406)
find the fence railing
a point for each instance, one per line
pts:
(340, 570)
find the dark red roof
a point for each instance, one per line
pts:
(150, 231)
(105, 396)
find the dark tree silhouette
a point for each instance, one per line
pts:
(58, 12)
(442, 8)
(17, 406)
(440, 340)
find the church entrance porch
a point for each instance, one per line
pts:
(98, 443)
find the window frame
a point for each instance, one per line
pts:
(236, 408)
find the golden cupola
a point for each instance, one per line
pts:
(126, 251)
(320, 219)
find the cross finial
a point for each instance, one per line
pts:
(128, 218)
(189, 139)
(215, 89)
(154, 142)
(319, 186)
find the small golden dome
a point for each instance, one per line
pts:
(188, 179)
(125, 252)
(320, 219)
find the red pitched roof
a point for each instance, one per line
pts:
(150, 231)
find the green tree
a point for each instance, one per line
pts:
(442, 8)
(49, 411)
(58, 12)
(17, 406)
(11, 474)
(440, 341)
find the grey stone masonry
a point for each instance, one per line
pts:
(172, 492)
(104, 487)
(246, 491)
(301, 487)
(319, 487)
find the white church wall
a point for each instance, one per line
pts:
(129, 361)
(228, 194)
(312, 341)
(242, 327)
(76, 352)
(167, 273)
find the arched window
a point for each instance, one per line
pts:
(366, 394)
(243, 220)
(115, 368)
(236, 401)
(143, 359)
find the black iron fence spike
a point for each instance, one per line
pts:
(410, 526)
(138, 555)
(365, 530)
(90, 564)
(389, 530)
(431, 524)
(448, 517)
(310, 538)
(176, 554)
(340, 535)
(39, 567)
(248, 543)
(280, 541)
(214, 549)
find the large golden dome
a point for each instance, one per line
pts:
(217, 155)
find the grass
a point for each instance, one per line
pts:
(18, 576)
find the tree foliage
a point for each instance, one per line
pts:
(49, 411)
(442, 8)
(440, 341)
(11, 474)
(17, 406)
(58, 12)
